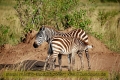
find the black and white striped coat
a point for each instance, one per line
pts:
(66, 45)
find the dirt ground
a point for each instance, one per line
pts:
(24, 56)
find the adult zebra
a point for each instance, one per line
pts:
(46, 33)
(66, 45)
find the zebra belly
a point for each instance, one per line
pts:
(66, 53)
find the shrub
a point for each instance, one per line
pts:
(7, 35)
(33, 13)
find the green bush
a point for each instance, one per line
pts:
(78, 19)
(7, 35)
(33, 13)
(4, 34)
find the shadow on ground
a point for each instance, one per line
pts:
(25, 65)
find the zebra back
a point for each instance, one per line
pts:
(77, 33)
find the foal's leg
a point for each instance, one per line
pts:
(72, 61)
(60, 61)
(81, 59)
(53, 63)
(49, 54)
(69, 61)
(87, 56)
(46, 62)
(52, 60)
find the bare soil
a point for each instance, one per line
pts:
(24, 56)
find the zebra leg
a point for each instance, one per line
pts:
(73, 62)
(53, 64)
(46, 62)
(87, 56)
(50, 52)
(60, 61)
(69, 61)
(52, 61)
(81, 59)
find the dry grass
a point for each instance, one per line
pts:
(9, 18)
(110, 29)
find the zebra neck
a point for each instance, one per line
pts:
(59, 33)
(50, 33)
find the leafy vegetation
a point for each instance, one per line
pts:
(96, 18)
(7, 35)
(77, 19)
(33, 13)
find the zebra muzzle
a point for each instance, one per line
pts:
(35, 45)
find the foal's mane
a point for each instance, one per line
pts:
(86, 43)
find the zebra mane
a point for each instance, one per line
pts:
(60, 31)
(50, 27)
(86, 43)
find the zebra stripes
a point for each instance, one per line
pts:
(67, 45)
(78, 33)
(45, 34)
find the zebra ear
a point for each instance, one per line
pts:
(42, 28)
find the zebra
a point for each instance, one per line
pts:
(66, 45)
(46, 33)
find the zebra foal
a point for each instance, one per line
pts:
(66, 46)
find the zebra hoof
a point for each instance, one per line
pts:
(78, 69)
(44, 69)
(89, 68)
(60, 69)
(81, 69)
(69, 70)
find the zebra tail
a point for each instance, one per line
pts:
(89, 46)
